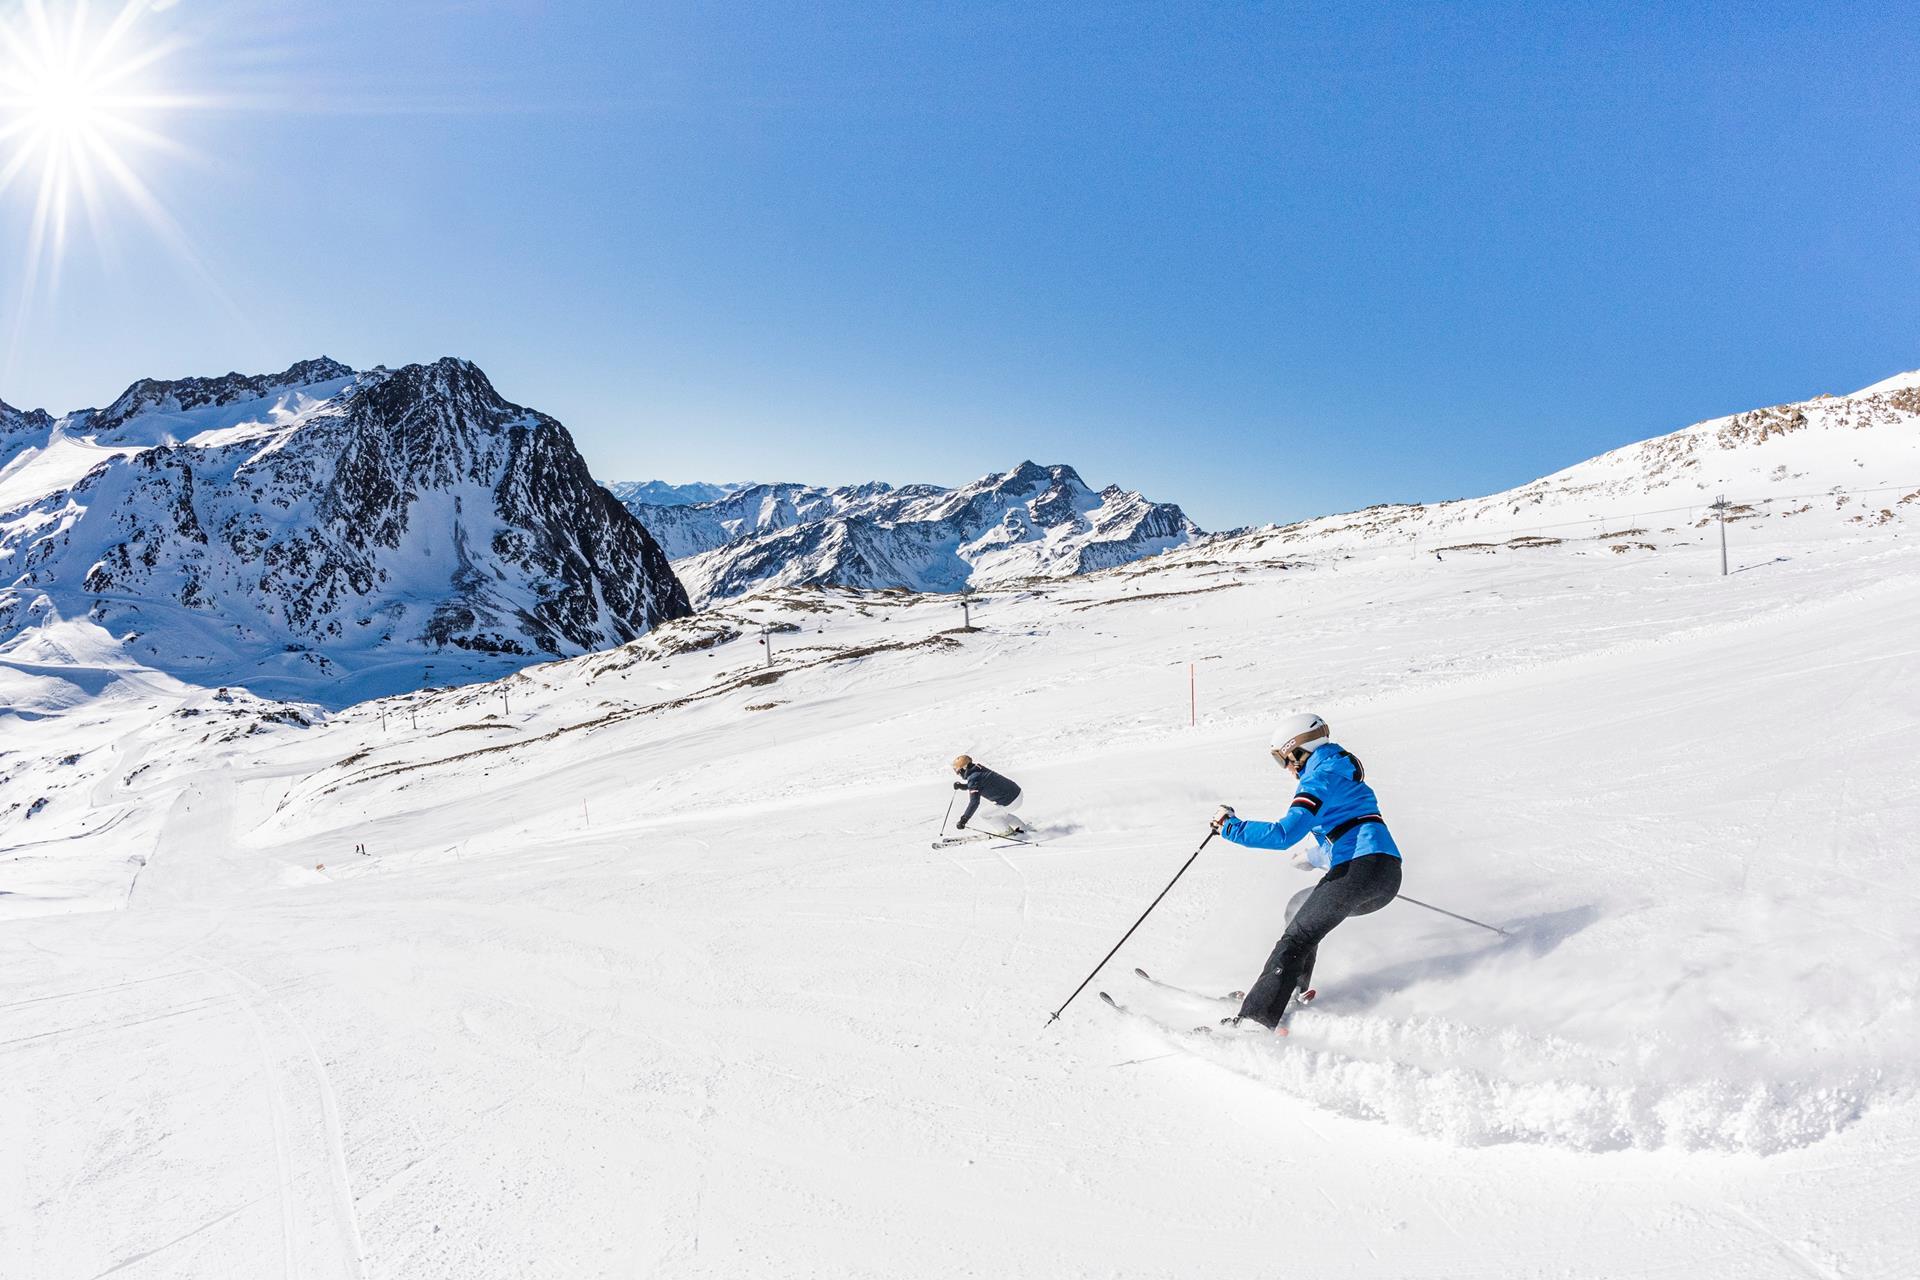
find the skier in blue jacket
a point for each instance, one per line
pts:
(1334, 802)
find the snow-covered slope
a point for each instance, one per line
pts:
(1854, 458)
(648, 966)
(1032, 521)
(316, 524)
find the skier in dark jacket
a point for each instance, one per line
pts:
(1334, 802)
(1001, 794)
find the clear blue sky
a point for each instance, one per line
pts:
(1264, 260)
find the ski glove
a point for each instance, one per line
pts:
(1220, 818)
(960, 825)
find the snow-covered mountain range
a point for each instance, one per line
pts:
(741, 512)
(319, 522)
(1032, 521)
(661, 493)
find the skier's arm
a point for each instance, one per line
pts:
(1297, 821)
(973, 802)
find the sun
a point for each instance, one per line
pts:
(67, 104)
(82, 100)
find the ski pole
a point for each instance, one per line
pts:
(1443, 911)
(1129, 933)
(943, 821)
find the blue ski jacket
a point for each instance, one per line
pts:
(1334, 802)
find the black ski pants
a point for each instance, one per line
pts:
(1354, 888)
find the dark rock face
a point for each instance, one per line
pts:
(411, 509)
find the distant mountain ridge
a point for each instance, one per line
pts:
(319, 519)
(1031, 521)
(689, 529)
(660, 493)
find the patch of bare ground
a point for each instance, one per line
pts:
(1735, 511)
(1512, 544)
(1761, 424)
(1874, 519)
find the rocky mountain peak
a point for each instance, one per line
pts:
(343, 523)
(1030, 477)
(152, 395)
(12, 419)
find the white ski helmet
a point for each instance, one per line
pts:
(1297, 733)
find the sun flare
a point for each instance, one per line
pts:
(81, 100)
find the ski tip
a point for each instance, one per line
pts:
(1142, 973)
(1109, 999)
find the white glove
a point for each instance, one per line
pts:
(1220, 818)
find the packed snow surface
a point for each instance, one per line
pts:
(648, 967)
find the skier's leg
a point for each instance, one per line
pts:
(1370, 884)
(1353, 888)
(1305, 981)
(1015, 823)
(1312, 913)
(997, 819)
(1305, 966)
(1373, 883)
(1267, 997)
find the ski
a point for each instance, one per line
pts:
(1231, 996)
(947, 842)
(1158, 1025)
(1232, 1026)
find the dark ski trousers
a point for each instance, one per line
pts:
(1354, 888)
